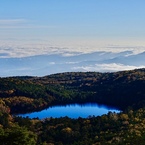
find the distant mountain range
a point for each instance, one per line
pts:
(41, 65)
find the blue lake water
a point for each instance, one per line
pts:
(72, 111)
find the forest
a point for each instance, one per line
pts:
(23, 94)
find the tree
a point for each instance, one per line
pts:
(18, 136)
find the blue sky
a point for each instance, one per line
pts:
(84, 22)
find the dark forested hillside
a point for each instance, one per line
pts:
(124, 90)
(119, 89)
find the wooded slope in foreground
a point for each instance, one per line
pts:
(124, 90)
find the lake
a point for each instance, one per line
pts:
(72, 111)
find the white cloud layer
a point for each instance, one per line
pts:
(106, 67)
(22, 49)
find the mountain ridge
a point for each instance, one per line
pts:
(54, 63)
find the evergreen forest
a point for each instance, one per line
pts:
(124, 90)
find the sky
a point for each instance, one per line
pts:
(31, 27)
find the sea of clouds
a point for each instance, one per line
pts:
(39, 59)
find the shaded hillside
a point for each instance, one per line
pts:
(119, 89)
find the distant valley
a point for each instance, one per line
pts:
(41, 65)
